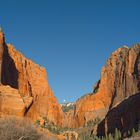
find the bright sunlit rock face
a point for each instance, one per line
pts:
(31, 82)
(120, 79)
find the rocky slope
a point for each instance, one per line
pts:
(31, 82)
(120, 79)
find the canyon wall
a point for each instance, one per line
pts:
(25, 91)
(31, 81)
(120, 79)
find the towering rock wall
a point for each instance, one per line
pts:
(120, 79)
(28, 85)
(124, 113)
(32, 83)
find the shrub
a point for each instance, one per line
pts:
(110, 137)
(133, 132)
(117, 135)
(67, 108)
(93, 122)
(96, 87)
(37, 122)
(17, 129)
(129, 133)
(96, 90)
(46, 120)
(87, 136)
(50, 126)
(53, 129)
(139, 126)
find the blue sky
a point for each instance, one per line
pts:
(72, 39)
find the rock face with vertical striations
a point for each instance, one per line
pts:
(124, 113)
(24, 91)
(120, 79)
(31, 81)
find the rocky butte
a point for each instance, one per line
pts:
(24, 88)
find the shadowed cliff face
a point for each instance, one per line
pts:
(137, 71)
(31, 82)
(120, 78)
(124, 117)
(9, 73)
(1, 52)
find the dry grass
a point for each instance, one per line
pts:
(17, 129)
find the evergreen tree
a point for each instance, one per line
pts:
(133, 132)
(139, 126)
(129, 133)
(117, 135)
(110, 137)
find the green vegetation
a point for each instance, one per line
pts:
(129, 133)
(55, 129)
(96, 90)
(85, 135)
(89, 136)
(139, 127)
(67, 108)
(117, 135)
(50, 126)
(37, 122)
(96, 87)
(94, 122)
(133, 132)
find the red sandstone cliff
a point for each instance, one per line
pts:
(124, 113)
(28, 87)
(31, 82)
(120, 79)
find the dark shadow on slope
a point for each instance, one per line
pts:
(124, 117)
(112, 100)
(9, 74)
(137, 70)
